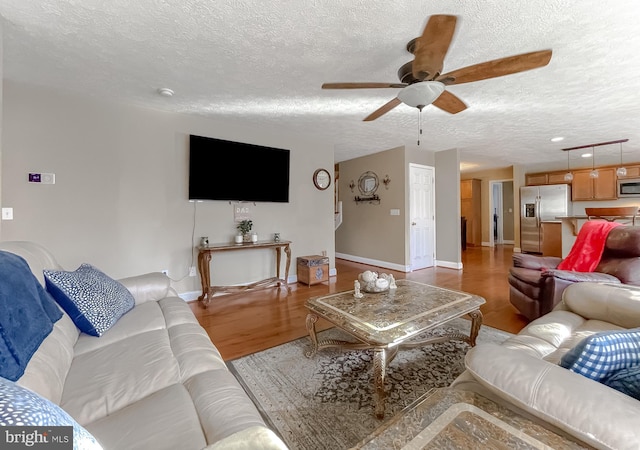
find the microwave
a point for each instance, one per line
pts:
(629, 187)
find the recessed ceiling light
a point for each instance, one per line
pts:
(165, 92)
(586, 155)
(557, 139)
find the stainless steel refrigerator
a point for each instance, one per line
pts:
(537, 204)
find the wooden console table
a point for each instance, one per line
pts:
(204, 260)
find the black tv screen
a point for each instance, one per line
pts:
(226, 170)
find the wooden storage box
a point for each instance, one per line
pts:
(312, 269)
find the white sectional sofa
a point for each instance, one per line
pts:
(523, 373)
(152, 381)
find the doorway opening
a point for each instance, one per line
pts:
(501, 207)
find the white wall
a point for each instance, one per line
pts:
(120, 198)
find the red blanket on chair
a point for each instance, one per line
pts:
(586, 252)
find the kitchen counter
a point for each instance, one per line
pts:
(572, 224)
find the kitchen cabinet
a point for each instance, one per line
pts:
(470, 208)
(533, 179)
(585, 188)
(552, 238)
(537, 179)
(632, 172)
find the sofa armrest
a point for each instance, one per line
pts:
(592, 412)
(535, 262)
(148, 287)
(579, 277)
(618, 303)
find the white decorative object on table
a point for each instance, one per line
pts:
(356, 290)
(392, 282)
(372, 282)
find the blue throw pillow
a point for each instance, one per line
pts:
(93, 300)
(609, 357)
(22, 407)
(27, 315)
(626, 381)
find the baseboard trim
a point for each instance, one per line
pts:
(449, 264)
(374, 262)
(517, 250)
(189, 296)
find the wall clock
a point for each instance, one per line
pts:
(321, 179)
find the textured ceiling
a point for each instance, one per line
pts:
(264, 62)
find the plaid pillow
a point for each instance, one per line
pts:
(602, 354)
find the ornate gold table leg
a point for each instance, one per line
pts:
(476, 323)
(379, 374)
(204, 258)
(287, 251)
(311, 328)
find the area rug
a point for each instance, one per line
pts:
(327, 401)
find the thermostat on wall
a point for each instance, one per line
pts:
(44, 178)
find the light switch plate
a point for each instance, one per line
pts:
(394, 212)
(7, 213)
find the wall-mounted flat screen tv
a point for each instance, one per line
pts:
(226, 170)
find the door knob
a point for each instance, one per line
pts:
(413, 223)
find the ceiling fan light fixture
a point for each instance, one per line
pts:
(421, 94)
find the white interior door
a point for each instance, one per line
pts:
(421, 216)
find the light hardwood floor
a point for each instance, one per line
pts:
(245, 323)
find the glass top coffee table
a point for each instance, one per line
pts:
(390, 321)
(452, 419)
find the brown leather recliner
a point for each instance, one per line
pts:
(536, 286)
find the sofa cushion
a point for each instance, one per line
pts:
(47, 370)
(115, 376)
(22, 407)
(599, 356)
(93, 300)
(165, 419)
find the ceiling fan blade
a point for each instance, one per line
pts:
(431, 48)
(362, 85)
(497, 68)
(382, 110)
(449, 103)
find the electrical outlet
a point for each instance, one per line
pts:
(165, 271)
(192, 271)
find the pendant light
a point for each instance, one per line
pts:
(621, 171)
(594, 172)
(568, 176)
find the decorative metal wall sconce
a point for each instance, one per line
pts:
(352, 185)
(386, 181)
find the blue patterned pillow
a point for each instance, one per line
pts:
(22, 407)
(626, 381)
(610, 357)
(93, 300)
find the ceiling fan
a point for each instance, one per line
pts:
(421, 80)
